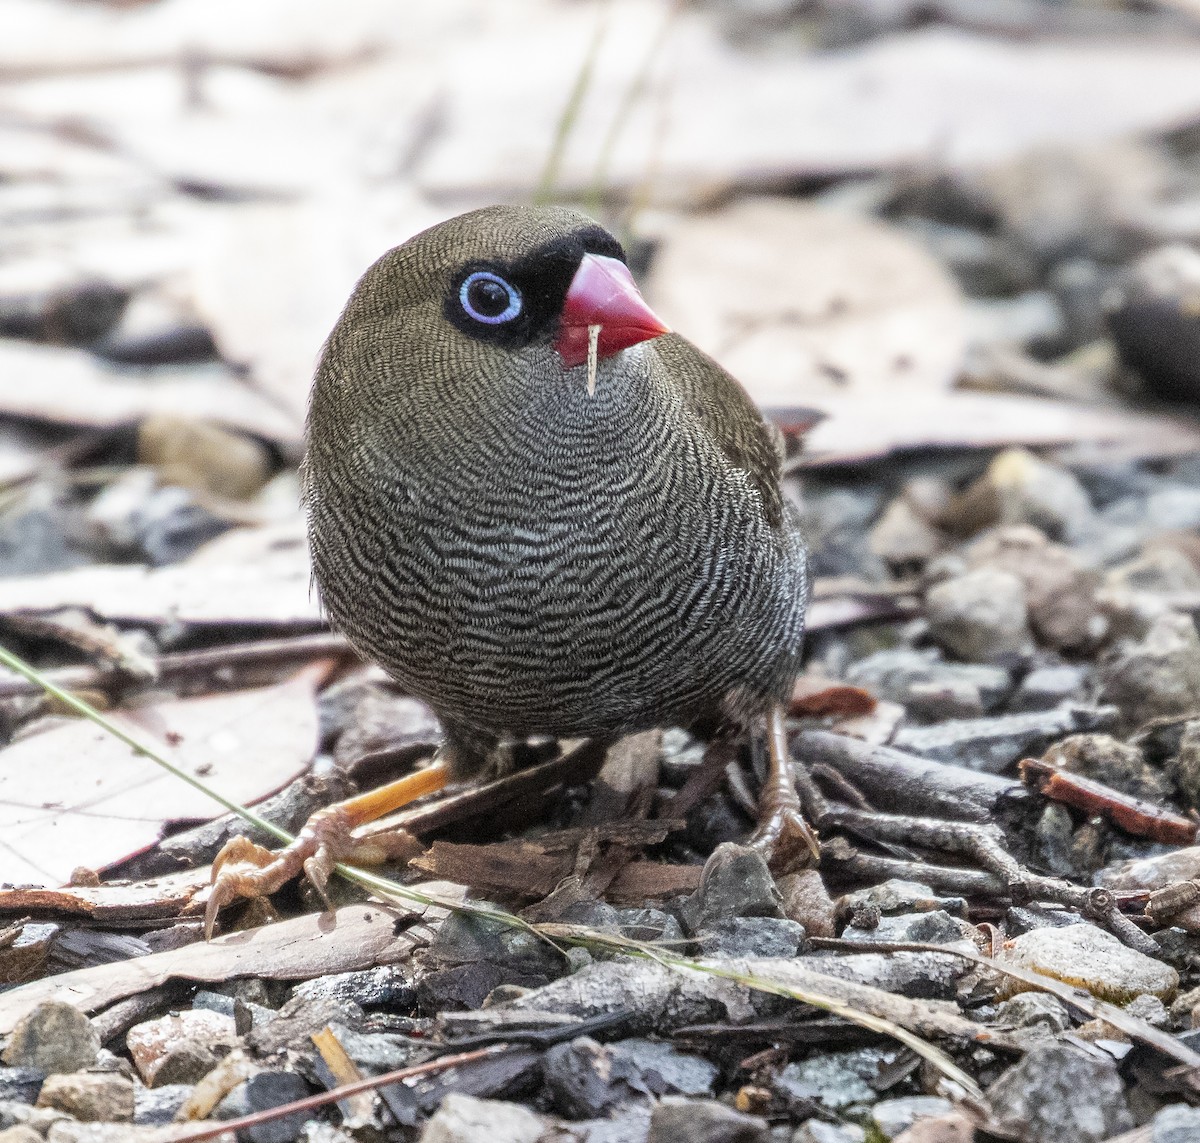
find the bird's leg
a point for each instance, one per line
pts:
(245, 869)
(783, 835)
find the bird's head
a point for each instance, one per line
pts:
(501, 296)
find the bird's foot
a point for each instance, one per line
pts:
(783, 836)
(244, 869)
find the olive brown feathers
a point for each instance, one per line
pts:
(527, 557)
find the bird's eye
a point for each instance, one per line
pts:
(488, 298)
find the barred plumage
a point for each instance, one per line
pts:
(529, 559)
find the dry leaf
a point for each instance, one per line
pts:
(356, 937)
(799, 302)
(258, 576)
(73, 795)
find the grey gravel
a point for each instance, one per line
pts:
(676, 1120)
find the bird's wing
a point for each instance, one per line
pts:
(730, 418)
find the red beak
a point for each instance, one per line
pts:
(603, 293)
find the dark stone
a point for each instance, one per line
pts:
(20, 1084)
(378, 1052)
(735, 883)
(936, 928)
(676, 1120)
(260, 1093)
(298, 1019)
(587, 1079)
(53, 1037)
(649, 925)
(465, 938)
(172, 524)
(387, 986)
(463, 987)
(752, 936)
(1038, 1098)
(157, 1105)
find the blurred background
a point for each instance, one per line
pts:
(950, 226)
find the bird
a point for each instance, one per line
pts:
(544, 514)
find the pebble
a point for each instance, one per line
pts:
(90, 1097)
(180, 1048)
(818, 1131)
(1152, 872)
(908, 676)
(751, 936)
(1185, 766)
(901, 537)
(1158, 571)
(587, 1079)
(1037, 1100)
(157, 1105)
(937, 928)
(677, 1120)
(1060, 593)
(1106, 759)
(261, 1092)
(1155, 326)
(993, 745)
(981, 616)
(1044, 688)
(835, 1080)
(203, 456)
(465, 1119)
(20, 1084)
(1020, 488)
(1034, 1010)
(53, 1037)
(1176, 1124)
(1089, 957)
(735, 882)
(895, 897)
(890, 1117)
(1156, 676)
(20, 1134)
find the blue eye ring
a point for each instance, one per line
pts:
(472, 308)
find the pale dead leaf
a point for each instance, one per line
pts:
(355, 937)
(798, 302)
(258, 576)
(858, 430)
(73, 795)
(274, 278)
(70, 387)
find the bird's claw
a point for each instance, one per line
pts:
(785, 838)
(245, 869)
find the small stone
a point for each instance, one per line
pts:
(676, 1120)
(1185, 766)
(1034, 1010)
(896, 897)
(735, 882)
(1088, 957)
(465, 1119)
(1157, 676)
(462, 988)
(836, 1080)
(203, 456)
(955, 1127)
(1159, 571)
(818, 1131)
(890, 1117)
(262, 1092)
(1020, 488)
(751, 936)
(41, 1119)
(912, 678)
(587, 1079)
(90, 1097)
(1060, 593)
(936, 928)
(1106, 759)
(157, 1105)
(20, 1084)
(1037, 1100)
(181, 1048)
(807, 901)
(464, 939)
(649, 925)
(1152, 872)
(1176, 1124)
(1044, 688)
(902, 538)
(53, 1037)
(20, 1134)
(981, 616)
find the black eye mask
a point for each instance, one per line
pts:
(514, 304)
